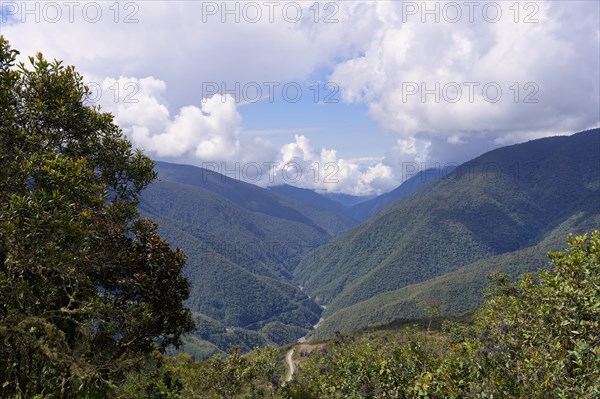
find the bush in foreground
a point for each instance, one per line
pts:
(536, 338)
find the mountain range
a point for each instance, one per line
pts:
(501, 211)
(243, 244)
(264, 262)
(365, 210)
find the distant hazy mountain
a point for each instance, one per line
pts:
(347, 199)
(329, 214)
(498, 209)
(309, 197)
(367, 209)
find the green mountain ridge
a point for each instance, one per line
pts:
(250, 248)
(243, 243)
(503, 201)
(333, 216)
(216, 218)
(245, 195)
(367, 209)
(456, 292)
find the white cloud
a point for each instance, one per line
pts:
(554, 62)
(212, 135)
(185, 45)
(455, 139)
(376, 52)
(208, 132)
(301, 165)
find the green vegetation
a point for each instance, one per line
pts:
(243, 243)
(211, 337)
(331, 215)
(239, 261)
(88, 289)
(455, 292)
(281, 333)
(367, 209)
(506, 201)
(535, 338)
(91, 297)
(254, 376)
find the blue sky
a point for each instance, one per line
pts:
(414, 86)
(332, 125)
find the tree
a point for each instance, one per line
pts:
(536, 338)
(87, 287)
(540, 337)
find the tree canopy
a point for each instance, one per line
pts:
(87, 287)
(535, 338)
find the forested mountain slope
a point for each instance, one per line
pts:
(366, 210)
(333, 216)
(243, 244)
(506, 200)
(458, 291)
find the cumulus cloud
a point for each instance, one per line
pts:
(212, 135)
(447, 90)
(302, 165)
(208, 132)
(188, 44)
(490, 81)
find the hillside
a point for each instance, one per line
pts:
(533, 338)
(243, 243)
(247, 196)
(333, 216)
(432, 240)
(367, 209)
(458, 291)
(506, 200)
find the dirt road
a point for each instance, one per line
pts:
(290, 365)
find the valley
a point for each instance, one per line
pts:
(298, 200)
(268, 264)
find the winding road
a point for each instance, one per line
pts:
(290, 365)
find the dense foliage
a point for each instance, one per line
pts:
(502, 202)
(243, 243)
(234, 376)
(331, 215)
(536, 338)
(90, 294)
(211, 337)
(455, 292)
(87, 288)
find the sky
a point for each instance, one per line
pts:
(336, 96)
